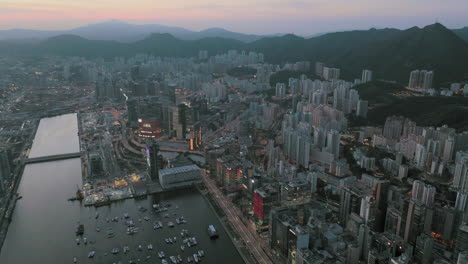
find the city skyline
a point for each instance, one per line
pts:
(265, 17)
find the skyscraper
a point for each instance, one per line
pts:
(366, 76)
(333, 143)
(362, 108)
(421, 79)
(154, 159)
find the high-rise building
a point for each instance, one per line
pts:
(393, 127)
(330, 74)
(362, 108)
(333, 143)
(280, 90)
(203, 54)
(154, 159)
(319, 68)
(366, 76)
(421, 79)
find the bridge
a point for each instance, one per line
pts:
(53, 157)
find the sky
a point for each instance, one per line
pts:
(302, 17)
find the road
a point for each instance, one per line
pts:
(233, 215)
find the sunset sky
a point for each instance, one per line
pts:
(248, 16)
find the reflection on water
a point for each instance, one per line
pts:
(56, 135)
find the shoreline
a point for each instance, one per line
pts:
(207, 197)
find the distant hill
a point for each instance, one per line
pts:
(125, 32)
(378, 92)
(462, 33)
(425, 111)
(390, 53)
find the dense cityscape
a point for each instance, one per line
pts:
(230, 156)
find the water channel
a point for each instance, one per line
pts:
(44, 223)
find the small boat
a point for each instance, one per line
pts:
(148, 257)
(98, 229)
(126, 216)
(77, 240)
(161, 254)
(110, 232)
(189, 259)
(150, 247)
(179, 259)
(91, 254)
(140, 247)
(175, 239)
(173, 259)
(163, 261)
(75, 260)
(201, 253)
(170, 224)
(195, 257)
(115, 251)
(126, 249)
(85, 241)
(170, 240)
(97, 215)
(182, 247)
(19, 197)
(80, 229)
(146, 218)
(212, 232)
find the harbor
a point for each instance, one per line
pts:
(45, 224)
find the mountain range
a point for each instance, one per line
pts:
(125, 32)
(391, 53)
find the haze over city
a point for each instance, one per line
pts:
(303, 17)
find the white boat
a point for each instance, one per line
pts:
(182, 247)
(77, 240)
(126, 249)
(170, 240)
(201, 252)
(161, 254)
(189, 259)
(195, 257)
(91, 254)
(126, 216)
(115, 251)
(146, 218)
(75, 260)
(140, 247)
(179, 258)
(150, 246)
(175, 239)
(97, 215)
(85, 241)
(170, 224)
(163, 261)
